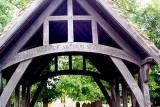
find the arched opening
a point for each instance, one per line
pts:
(84, 30)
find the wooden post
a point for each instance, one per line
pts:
(24, 99)
(118, 103)
(94, 31)
(84, 63)
(28, 95)
(17, 92)
(143, 79)
(130, 80)
(133, 99)
(1, 83)
(70, 62)
(56, 63)
(124, 94)
(9, 100)
(113, 95)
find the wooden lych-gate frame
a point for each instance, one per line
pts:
(126, 60)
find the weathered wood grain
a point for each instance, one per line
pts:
(146, 68)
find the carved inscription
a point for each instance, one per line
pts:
(70, 47)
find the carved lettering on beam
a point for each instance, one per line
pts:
(70, 47)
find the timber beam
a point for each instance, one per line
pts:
(69, 47)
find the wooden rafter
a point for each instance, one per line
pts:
(113, 34)
(30, 32)
(127, 28)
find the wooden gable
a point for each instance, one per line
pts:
(94, 29)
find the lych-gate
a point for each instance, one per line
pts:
(94, 29)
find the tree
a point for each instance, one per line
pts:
(148, 19)
(7, 10)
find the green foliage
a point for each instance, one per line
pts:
(154, 85)
(75, 65)
(19, 3)
(50, 92)
(63, 62)
(81, 88)
(7, 10)
(129, 8)
(148, 19)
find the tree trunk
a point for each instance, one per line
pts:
(45, 103)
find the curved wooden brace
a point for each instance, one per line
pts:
(69, 72)
(70, 47)
(13, 82)
(130, 80)
(104, 91)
